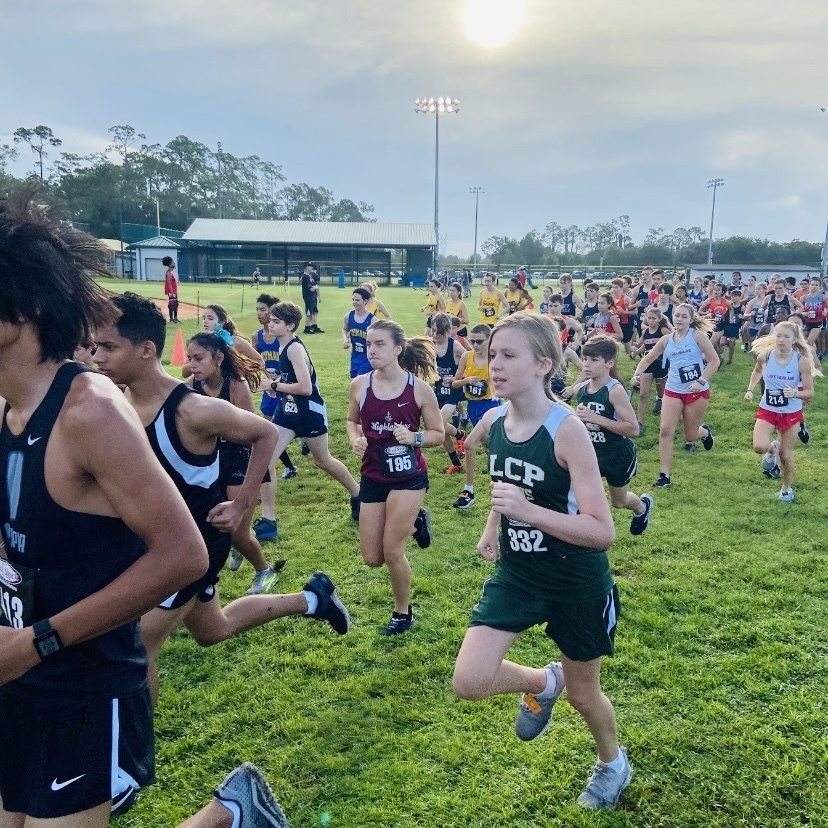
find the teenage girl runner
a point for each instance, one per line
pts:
(355, 332)
(815, 311)
(473, 377)
(374, 306)
(449, 353)
(455, 306)
(219, 371)
(515, 299)
(605, 321)
(697, 295)
(654, 328)
(753, 316)
(544, 305)
(693, 361)
(302, 411)
(385, 409)
(434, 303)
(604, 408)
(732, 323)
(571, 302)
(551, 566)
(787, 364)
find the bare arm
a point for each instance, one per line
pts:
(648, 359)
(244, 347)
(756, 375)
(353, 425)
(627, 425)
(346, 335)
(433, 431)
(303, 387)
(241, 396)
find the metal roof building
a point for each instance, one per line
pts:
(234, 248)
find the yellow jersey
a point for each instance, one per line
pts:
(453, 309)
(490, 303)
(480, 389)
(372, 307)
(432, 302)
(515, 300)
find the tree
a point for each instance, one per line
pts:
(530, 249)
(38, 138)
(123, 137)
(499, 248)
(7, 154)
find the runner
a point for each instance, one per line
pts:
(815, 310)
(697, 295)
(692, 361)
(620, 307)
(572, 303)
(753, 316)
(84, 553)
(434, 303)
(605, 321)
(515, 297)
(492, 304)
(455, 306)
(215, 318)
(733, 323)
(384, 413)
(787, 364)
(779, 297)
(85, 353)
(655, 327)
(375, 307)
(604, 408)
(717, 308)
(449, 353)
(354, 332)
(551, 565)
(220, 372)
(267, 346)
(302, 411)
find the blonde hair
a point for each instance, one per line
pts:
(697, 321)
(765, 344)
(417, 355)
(543, 338)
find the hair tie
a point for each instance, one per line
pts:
(225, 336)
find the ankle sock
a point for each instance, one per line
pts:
(619, 763)
(313, 601)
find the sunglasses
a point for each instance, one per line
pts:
(477, 341)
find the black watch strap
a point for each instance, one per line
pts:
(46, 640)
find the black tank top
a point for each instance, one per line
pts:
(58, 557)
(296, 404)
(196, 476)
(225, 446)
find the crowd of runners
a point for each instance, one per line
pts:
(92, 582)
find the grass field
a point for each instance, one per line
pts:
(719, 680)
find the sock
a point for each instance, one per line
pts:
(455, 460)
(551, 686)
(619, 763)
(286, 461)
(260, 571)
(469, 488)
(313, 601)
(234, 810)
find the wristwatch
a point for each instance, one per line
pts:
(419, 439)
(46, 640)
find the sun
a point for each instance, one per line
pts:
(493, 23)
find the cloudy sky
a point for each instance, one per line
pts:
(591, 109)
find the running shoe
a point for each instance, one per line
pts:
(355, 509)
(804, 434)
(639, 523)
(663, 481)
(265, 529)
(287, 474)
(769, 459)
(605, 786)
(774, 474)
(535, 712)
(329, 608)
(400, 622)
(124, 800)
(248, 789)
(235, 560)
(455, 470)
(308, 331)
(708, 441)
(657, 406)
(461, 444)
(786, 495)
(689, 448)
(422, 529)
(305, 449)
(640, 429)
(465, 501)
(262, 582)
(317, 329)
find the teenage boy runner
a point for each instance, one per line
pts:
(183, 430)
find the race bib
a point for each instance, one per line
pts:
(524, 540)
(690, 373)
(811, 314)
(398, 461)
(289, 405)
(16, 595)
(759, 317)
(488, 311)
(444, 390)
(358, 346)
(478, 388)
(775, 399)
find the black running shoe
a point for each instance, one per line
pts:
(639, 523)
(329, 608)
(123, 801)
(400, 622)
(804, 434)
(422, 530)
(465, 501)
(689, 448)
(305, 449)
(663, 481)
(657, 406)
(708, 441)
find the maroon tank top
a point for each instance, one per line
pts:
(385, 460)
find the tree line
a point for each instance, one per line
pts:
(189, 180)
(610, 242)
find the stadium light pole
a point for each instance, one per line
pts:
(714, 183)
(437, 106)
(475, 191)
(824, 110)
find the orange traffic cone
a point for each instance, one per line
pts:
(178, 356)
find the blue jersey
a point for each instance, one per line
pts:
(358, 332)
(270, 354)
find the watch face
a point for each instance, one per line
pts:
(48, 644)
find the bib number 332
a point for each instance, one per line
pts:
(526, 540)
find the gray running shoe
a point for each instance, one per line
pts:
(247, 788)
(786, 495)
(263, 581)
(605, 786)
(235, 560)
(535, 714)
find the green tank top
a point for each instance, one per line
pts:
(541, 562)
(600, 403)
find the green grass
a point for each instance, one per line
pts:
(718, 682)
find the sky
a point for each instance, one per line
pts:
(590, 109)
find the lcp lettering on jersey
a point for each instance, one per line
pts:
(17, 540)
(518, 471)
